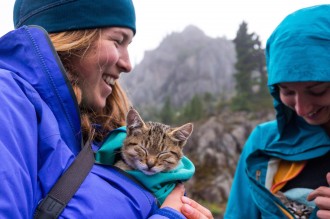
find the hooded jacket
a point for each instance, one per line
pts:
(40, 137)
(297, 51)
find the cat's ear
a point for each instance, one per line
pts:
(134, 122)
(182, 133)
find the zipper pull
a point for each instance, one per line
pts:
(258, 173)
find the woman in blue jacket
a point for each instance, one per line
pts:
(289, 157)
(54, 91)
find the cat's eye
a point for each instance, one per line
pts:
(162, 153)
(169, 162)
(168, 153)
(175, 154)
(143, 149)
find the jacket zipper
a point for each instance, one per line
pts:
(258, 174)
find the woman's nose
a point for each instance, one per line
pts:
(303, 105)
(124, 62)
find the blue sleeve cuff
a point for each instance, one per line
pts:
(169, 213)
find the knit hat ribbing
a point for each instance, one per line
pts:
(64, 15)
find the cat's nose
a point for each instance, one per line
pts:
(150, 164)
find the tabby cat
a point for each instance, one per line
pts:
(299, 210)
(152, 147)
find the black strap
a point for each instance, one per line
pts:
(54, 203)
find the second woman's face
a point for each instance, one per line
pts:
(101, 66)
(310, 100)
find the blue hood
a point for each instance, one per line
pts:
(298, 51)
(39, 65)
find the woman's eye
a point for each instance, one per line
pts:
(286, 92)
(320, 90)
(119, 42)
(318, 93)
(116, 40)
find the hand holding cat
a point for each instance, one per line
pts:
(188, 207)
(192, 210)
(321, 197)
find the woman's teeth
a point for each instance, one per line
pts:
(312, 113)
(108, 79)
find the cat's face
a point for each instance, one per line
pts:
(152, 150)
(154, 147)
(299, 210)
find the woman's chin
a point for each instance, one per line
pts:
(97, 105)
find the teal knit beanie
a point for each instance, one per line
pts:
(63, 15)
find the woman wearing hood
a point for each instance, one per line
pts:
(284, 168)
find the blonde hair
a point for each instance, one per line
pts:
(70, 45)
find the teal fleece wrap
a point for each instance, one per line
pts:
(160, 184)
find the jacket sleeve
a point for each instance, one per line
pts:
(240, 203)
(167, 213)
(18, 151)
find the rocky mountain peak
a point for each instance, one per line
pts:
(184, 64)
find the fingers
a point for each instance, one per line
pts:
(188, 207)
(323, 214)
(322, 202)
(177, 192)
(321, 191)
(192, 210)
(173, 199)
(328, 178)
(321, 197)
(179, 189)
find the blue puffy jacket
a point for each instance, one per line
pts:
(298, 50)
(40, 137)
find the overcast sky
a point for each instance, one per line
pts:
(217, 18)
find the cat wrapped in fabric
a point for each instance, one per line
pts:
(299, 210)
(152, 147)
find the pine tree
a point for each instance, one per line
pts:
(196, 108)
(250, 74)
(167, 112)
